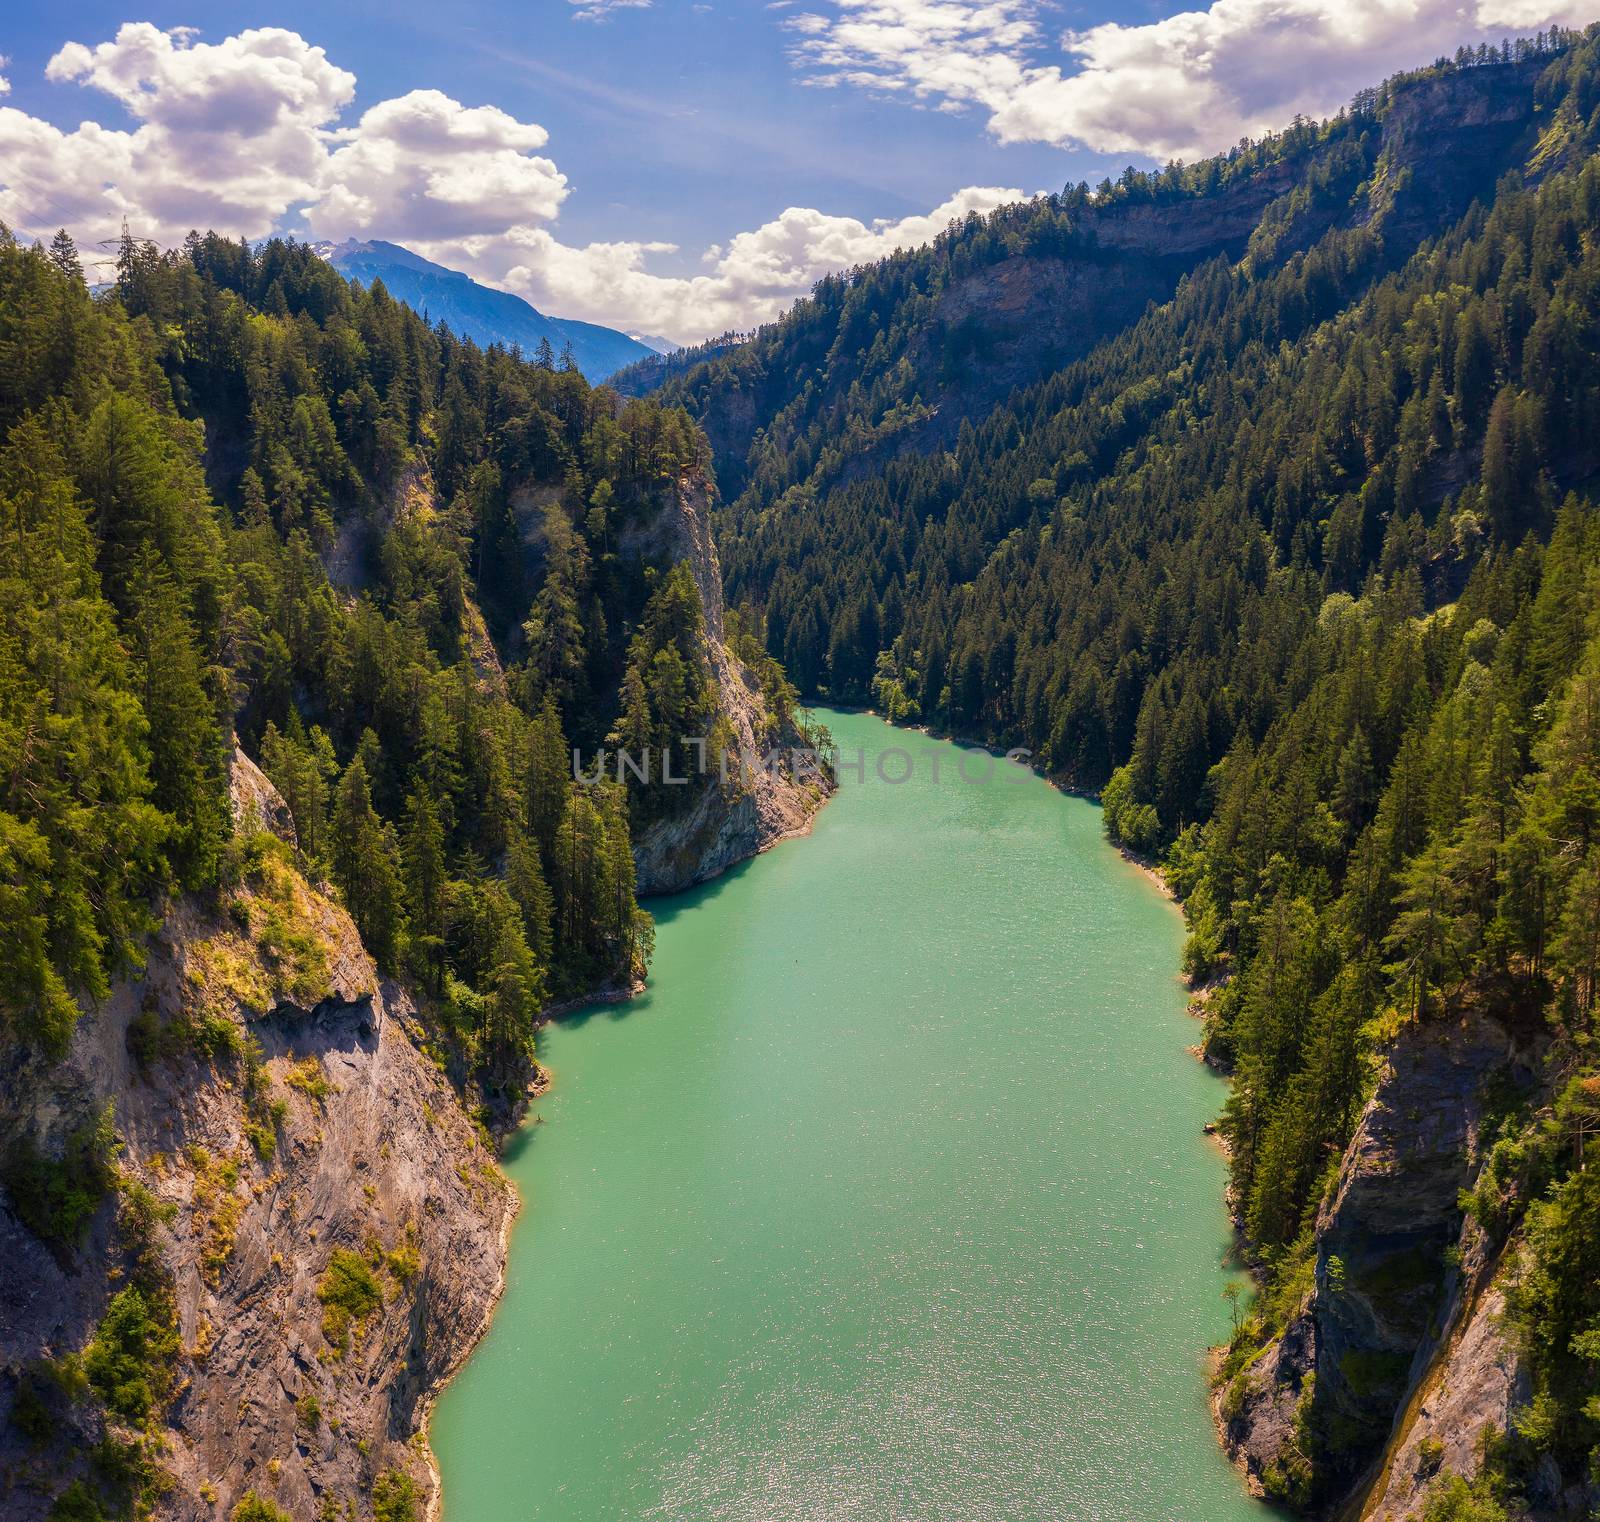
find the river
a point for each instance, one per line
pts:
(887, 1201)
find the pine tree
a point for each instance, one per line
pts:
(365, 867)
(83, 841)
(64, 255)
(188, 758)
(548, 777)
(526, 881)
(425, 877)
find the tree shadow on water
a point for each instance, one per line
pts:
(665, 909)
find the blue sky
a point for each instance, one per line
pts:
(675, 166)
(671, 122)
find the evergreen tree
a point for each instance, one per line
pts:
(364, 866)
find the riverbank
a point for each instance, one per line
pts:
(1148, 865)
(430, 1401)
(808, 1224)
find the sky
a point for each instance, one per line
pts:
(669, 167)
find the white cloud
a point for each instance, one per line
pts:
(1186, 85)
(751, 280)
(229, 135)
(247, 136)
(601, 10)
(424, 166)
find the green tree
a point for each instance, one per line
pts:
(363, 858)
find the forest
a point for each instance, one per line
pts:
(1300, 572)
(245, 502)
(1297, 570)
(249, 510)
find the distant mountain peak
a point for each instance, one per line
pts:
(481, 312)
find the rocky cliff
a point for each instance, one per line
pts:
(953, 330)
(299, 1192)
(1395, 1364)
(768, 795)
(1473, 1385)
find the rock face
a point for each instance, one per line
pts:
(758, 805)
(271, 1094)
(976, 333)
(256, 803)
(1475, 1383)
(1388, 1289)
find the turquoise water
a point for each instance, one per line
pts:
(887, 1201)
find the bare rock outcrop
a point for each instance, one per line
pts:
(257, 804)
(727, 819)
(1389, 1290)
(271, 1093)
(1474, 1385)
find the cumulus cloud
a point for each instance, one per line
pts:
(749, 280)
(425, 166)
(1185, 85)
(249, 136)
(228, 135)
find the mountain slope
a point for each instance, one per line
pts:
(305, 1143)
(279, 553)
(655, 370)
(480, 312)
(895, 355)
(1258, 495)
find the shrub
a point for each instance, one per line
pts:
(394, 1497)
(55, 1198)
(77, 1503)
(1453, 1500)
(349, 1292)
(254, 1508)
(128, 1360)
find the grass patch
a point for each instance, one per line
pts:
(350, 1292)
(307, 1077)
(224, 971)
(204, 1033)
(218, 1209)
(252, 1507)
(263, 1113)
(404, 1262)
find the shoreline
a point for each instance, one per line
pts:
(799, 832)
(508, 1219)
(539, 1085)
(621, 993)
(1143, 864)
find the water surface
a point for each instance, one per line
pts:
(887, 1201)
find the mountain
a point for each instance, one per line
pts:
(657, 342)
(654, 371)
(1259, 495)
(296, 651)
(479, 312)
